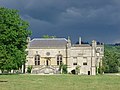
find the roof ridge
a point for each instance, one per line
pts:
(49, 39)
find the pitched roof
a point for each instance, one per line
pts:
(48, 43)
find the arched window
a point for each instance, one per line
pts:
(59, 59)
(37, 59)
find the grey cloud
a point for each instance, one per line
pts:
(91, 19)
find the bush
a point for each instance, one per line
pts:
(77, 69)
(63, 68)
(64, 71)
(29, 68)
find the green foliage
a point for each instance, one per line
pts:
(77, 69)
(100, 70)
(29, 68)
(111, 60)
(63, 68)
(13, 37)
(47, 36)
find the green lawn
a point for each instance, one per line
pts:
(59, 82)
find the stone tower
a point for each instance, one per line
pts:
(93, 58)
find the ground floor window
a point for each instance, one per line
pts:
(85, 63)
(59, 59)
(37, 59)
(74, 63)
(75, 60)
(88, 72)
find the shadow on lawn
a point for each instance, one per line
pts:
(10, 73)
(3, 81)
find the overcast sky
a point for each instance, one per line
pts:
(90, 19)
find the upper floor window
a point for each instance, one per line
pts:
(84, 63)
(74, 60)
(37, 59)
(59, 59)
(74, 57)
(74, 63)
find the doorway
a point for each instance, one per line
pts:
(88, 72)
(47, 62)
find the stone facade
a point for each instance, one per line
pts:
(46, 55)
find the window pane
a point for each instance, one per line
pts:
(85, 63)
(35, 58)
(60, 62)
(38, 62)
(57, 62)
(74, 63)
(60, 58)
(35, 62)
(57, 58)
(39, 58)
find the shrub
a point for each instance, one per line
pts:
(29, 68)
(63, 68)
(64, 71)
(77, 69)
(101, 69)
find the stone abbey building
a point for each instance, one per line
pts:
(46, 55)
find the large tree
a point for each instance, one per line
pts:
(111, 60)
(13, 39)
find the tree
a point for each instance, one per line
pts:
(29, 69)
(63, 68)
(47, 36)
(13, 39)
(111, 60)
(100, 69)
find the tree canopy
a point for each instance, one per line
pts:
(47, 36)
(111, 60)
(13, 39)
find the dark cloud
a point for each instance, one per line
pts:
(91, 19)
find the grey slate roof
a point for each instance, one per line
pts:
(48, 43)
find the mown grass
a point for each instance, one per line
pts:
(59, 82)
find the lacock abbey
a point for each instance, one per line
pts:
(46, 55)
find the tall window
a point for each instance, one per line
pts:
(59, 59)
(37, 59)
(84, 63)
(74, 60)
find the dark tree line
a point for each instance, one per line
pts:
(111, 60)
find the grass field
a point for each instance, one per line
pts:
(59, 82)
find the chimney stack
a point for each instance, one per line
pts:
(80, 40)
